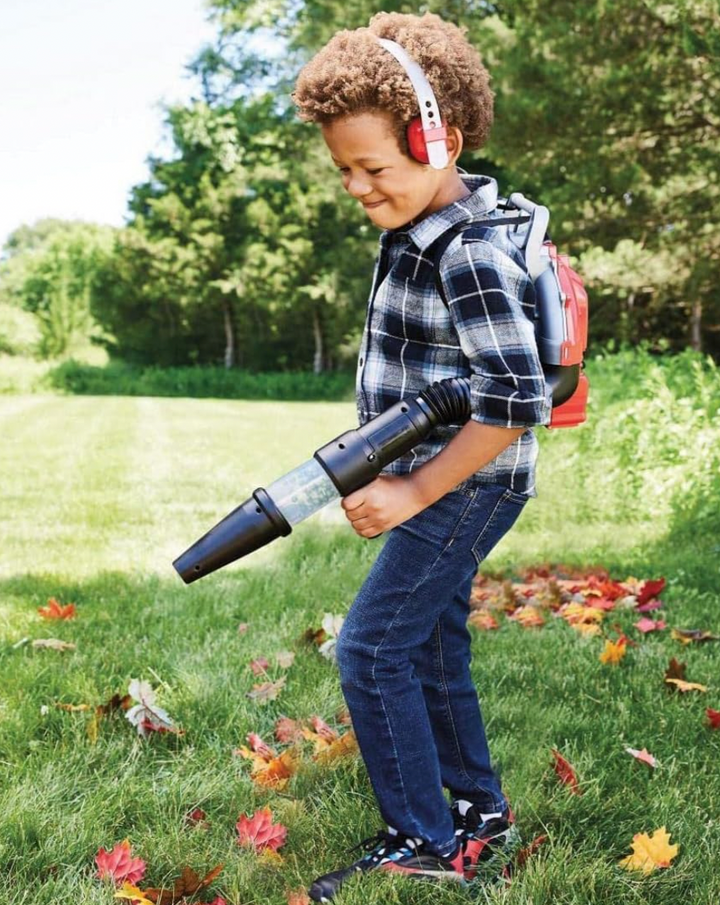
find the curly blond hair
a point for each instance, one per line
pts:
(353, 74)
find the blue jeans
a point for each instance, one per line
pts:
(404, 660)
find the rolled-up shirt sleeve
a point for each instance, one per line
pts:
(491, 300)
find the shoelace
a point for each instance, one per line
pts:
(389, 842)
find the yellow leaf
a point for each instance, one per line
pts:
(128, 891)
(586, 628)
(682, 685)
(613, 652)
(650, 852)
(270, 858)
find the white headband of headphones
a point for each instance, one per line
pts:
(429, 110)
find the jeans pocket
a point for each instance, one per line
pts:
(503, 514)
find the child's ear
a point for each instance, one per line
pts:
(454, 142)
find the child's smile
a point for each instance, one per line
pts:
(394, 189)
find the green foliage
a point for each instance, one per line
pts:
(119, 379)
(19, 331)
(51, 271)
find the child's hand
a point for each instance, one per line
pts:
(382, 504)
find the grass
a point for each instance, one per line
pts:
(99, 494)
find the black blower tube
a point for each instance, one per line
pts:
(348, 462)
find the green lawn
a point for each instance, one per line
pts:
(99, 495)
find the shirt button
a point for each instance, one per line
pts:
(361, 361)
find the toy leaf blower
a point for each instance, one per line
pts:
(356, 457)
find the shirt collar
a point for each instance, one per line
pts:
(482, 200)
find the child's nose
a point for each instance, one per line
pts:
(358, 187)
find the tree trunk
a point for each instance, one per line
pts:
(317, 333)
(695, 326)
(229, 334)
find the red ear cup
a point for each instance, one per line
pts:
(416, 138)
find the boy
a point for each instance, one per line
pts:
(404, 650)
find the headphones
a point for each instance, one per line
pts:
(426, 133)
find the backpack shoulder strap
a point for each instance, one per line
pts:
(439, 247)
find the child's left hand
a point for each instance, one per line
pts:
(382, 504)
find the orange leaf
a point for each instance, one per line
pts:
(343, 746)
(565, 773)
(277, 772)
(483, 620)
(55, 610)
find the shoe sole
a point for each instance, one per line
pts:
(479, 871)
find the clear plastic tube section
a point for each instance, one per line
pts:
(302, 491)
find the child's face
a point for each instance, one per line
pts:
(373, 169)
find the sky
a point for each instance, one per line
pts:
(80, 84)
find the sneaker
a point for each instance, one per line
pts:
(488, 841)
(392, 852)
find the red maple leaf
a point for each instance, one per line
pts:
(650, 589)
(118, 865)
(260, 832)
(565, 773)
(713, 717)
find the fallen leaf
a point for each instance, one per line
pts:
(287, 730)
(55, 610)
(242, 628)
(197, 817)
(343, 746)
(72, 708)
(266, 691)
(650, 589)
(260, 832)
(713, 718)
(688, 635)
(136, 896)
(146, 716)
(119, 865)
(483, 620)
(529, 850)
(259, 666)
(586, 628)
(646, 625)
(675, 670)
(650, 605)
(565, 773)
(614, 651)
(53, 644)
(298, 897)
(682, 685)
(187, 884)
(643, 755)
(276, 773)
(650, 852)
(285, 658)
(528, 616)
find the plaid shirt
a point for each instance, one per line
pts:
(486, 333)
